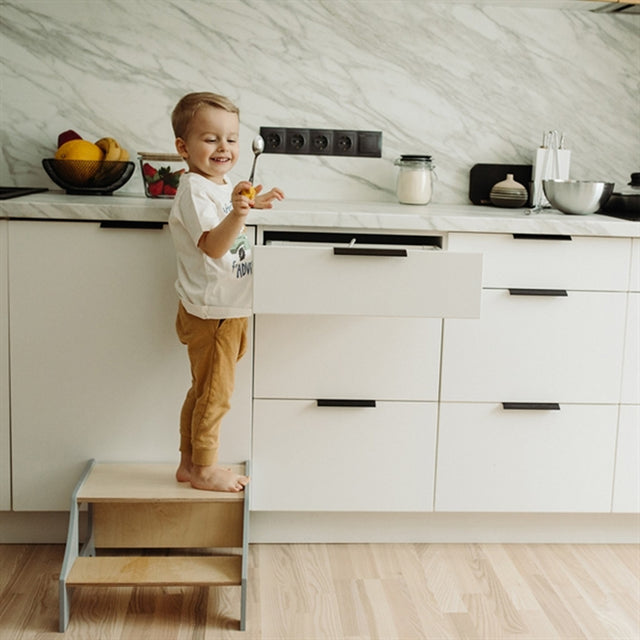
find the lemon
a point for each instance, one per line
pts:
(250, 193)
(87, 159)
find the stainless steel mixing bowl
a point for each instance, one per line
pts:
(577, 196)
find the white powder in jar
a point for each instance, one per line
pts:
(414, 185)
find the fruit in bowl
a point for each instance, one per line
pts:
(161, 173)
(80, 166)
(97, 177)
(79, 160)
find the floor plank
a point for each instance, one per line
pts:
(349, 592)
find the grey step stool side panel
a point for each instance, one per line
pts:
(71, 549)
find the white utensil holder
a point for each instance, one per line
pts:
(548, 164)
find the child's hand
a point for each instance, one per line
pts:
(243, 197)
(265, 200)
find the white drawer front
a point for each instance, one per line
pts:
(631, 369)
(536, 348)
(634, 285)
(490, 459)
(626, 488)
(5, 429)
(583, 263)
(310, 458)
(347, 357)
(312, 280)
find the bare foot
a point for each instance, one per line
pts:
(183, 473)
(217, 479)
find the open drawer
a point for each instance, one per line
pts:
(364, 274)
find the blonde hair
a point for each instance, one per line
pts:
(188, 105)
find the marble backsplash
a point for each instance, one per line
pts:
(467, 84)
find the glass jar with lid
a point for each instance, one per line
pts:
(415, 179)
(161, 173)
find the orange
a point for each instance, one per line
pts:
(79, 150)
(87, 159)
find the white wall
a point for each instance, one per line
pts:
(466, 84)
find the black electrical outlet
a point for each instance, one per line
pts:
(274, 139)
(370, 144)
(322, 142)
(297, 141)
(345, 143)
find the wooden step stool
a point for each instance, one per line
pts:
(141, 506)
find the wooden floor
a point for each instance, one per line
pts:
(349, 592)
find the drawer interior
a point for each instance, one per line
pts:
(351, 239)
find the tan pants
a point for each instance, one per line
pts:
(214, 347)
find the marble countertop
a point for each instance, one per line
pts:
(388, 216)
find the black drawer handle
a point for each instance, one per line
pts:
(365, 251)
(539, 236)
(531, 406)
(554, 293)
(328, 402)
(131, 224)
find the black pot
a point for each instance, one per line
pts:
(625, 205)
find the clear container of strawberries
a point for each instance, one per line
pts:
(161, 173)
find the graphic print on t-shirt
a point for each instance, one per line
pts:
(241, 249)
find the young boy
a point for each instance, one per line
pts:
(214, 278)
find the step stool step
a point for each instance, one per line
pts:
(147, 482)
(156, 571)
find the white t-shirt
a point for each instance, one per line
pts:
(208, 287)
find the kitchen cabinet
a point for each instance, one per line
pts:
(360, 274)
(5, 437)
(347, 367)
(344, 457)
(626, 491)
(531, 348)
(96, 368)
(631, 370)
(547, 351)
(347, 357)
(370, 410)
(549, 261)
(634, 284)
(546, 460)
(626, 488)
(308, 457)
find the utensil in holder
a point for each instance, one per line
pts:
(551, 162)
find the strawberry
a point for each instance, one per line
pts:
(149, 171)
(169, 190)
(155, 188)
(161, 181)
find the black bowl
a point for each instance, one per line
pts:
(97, 177)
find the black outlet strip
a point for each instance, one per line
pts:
(322, 142)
